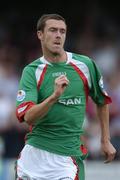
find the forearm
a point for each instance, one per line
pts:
(106, 146)
(103, 115)
(39, 110)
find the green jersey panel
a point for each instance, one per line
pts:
(29, 86)
(96, 89)
(60, 129)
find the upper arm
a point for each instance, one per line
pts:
(97, 91)
(27, 93)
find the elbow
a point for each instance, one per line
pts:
(28, 119)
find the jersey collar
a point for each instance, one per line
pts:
(69, 58)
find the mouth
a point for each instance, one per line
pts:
(57, 43)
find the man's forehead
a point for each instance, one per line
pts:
(55, 23)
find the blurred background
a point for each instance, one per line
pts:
(93, 30)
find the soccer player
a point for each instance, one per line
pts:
(52, 99)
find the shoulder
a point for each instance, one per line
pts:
(32, 66)
(83, 59)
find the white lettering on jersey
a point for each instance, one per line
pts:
(57, 74)
(71, 101)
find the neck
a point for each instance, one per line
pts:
(55, 57)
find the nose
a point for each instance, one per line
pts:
(58, 34)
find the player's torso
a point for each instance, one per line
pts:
(74, 91)
(70, 107)
(59, 130)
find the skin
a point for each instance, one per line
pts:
(52, 41)
(106, 146)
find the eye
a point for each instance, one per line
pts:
(53, 29)
(62, 31)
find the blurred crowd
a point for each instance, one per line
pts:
(99, 39)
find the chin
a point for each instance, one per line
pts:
(56, 52)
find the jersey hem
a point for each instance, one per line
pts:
(54, 151)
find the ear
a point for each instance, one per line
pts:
(39, 35)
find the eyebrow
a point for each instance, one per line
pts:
(57, 28)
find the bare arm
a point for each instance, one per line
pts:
(40, 110)
(107, 147)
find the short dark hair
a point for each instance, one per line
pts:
(42, 20)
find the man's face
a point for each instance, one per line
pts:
(53, 36)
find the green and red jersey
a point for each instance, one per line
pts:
(60, 129)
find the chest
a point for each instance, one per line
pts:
(75, 87)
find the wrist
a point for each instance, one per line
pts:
(105, 140)
(54, 97)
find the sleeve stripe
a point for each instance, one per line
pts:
(21, 110)
(108, 99)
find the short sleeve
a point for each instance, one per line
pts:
(97, 91)
(27, 94)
